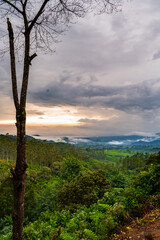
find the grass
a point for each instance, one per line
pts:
(114, 155)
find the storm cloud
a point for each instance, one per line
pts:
(134, 97)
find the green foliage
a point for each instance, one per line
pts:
(118, 180)
(56, 167)
(6, 197)
(98, 154)
(70, 168)
(5, 227)
(46, 201)
(88, 234)
(38, 230)
(137, 160)
(154, 200)
(153, 159)
(67, 236)
(85, 190)
(113, 196)
(4, 169)
(92, 201)
(7, 148)
(114, 155)
(42, 153)
(30, 201)
(103, 207)
(46, 173)
(148, 182)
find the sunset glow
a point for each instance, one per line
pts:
(46, 120)
(50, 116)
(58, 120)
(7, 122)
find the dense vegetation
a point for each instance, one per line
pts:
(78, 193)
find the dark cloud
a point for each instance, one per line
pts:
(136, 97)
(125, 125)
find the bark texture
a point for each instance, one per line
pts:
(19, 178)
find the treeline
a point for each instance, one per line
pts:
(7, 148)
(138, 160)
(46, 153)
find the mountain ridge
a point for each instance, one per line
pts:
(120, 140)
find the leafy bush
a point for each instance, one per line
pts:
(89, 235)
(46, 201)
(85, 190)
(6, 197)
(115, 195)
(67, 236)
(5, 222)
(70, 168)
(154, 200)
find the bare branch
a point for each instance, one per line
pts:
(72, 9)
(25, 3)
(46, 20)
(38, 14)
(25, 71)
(32, 57)
(13, 64)
(12, 5)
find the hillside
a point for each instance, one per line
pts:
(75, 193)
(147, 228)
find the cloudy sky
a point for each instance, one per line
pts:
(103, 79)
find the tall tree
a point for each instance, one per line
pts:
(33, 25)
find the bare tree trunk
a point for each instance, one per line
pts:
(19, 173)
(19, 178)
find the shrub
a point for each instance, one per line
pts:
(89, 235)
(70, 168)
(85, 190)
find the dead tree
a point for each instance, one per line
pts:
(37, 23)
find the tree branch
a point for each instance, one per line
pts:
(32, 57)
(13, 6)
(73, 11)
(38, 14)
(25, 15)
(25, 71)
(13, 64)
(25, 3)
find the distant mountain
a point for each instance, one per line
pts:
(142, 143)
(132, 140)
